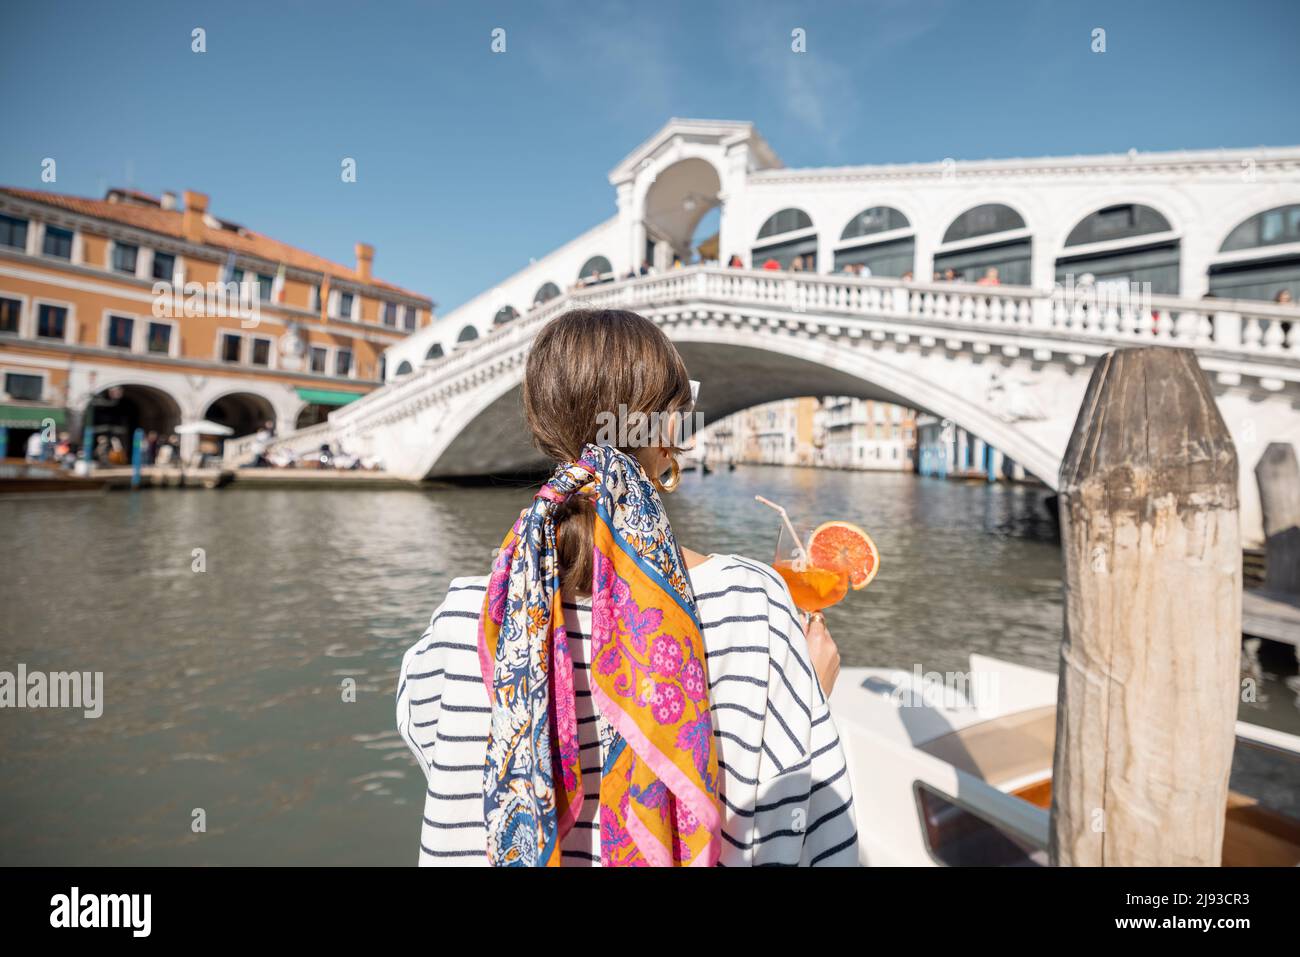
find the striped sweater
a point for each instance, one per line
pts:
(784, 784)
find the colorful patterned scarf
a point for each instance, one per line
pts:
(659, 800)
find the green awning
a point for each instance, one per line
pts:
(29, 416)
(328, 396)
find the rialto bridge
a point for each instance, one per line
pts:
(1008, 363)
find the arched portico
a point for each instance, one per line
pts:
(244, 412)
(675, 201)
(121, 408)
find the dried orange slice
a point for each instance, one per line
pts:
(846, 547)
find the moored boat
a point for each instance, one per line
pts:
(960, 773)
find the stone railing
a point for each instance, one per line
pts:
(1239, 329)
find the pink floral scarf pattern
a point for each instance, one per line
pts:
(659, 803)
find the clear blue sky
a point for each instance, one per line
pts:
(470, 163)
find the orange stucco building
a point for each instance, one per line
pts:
(151, 313)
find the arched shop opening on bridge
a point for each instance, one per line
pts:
(785, 236)
(116, 412)
(435, 352)
(880, 239)
(242, 412)
(505, 314)
(1259, 258)
(992, 236)
(1127, 243)
(681, 216)
(596, 270)
(545, 293)
(404, 368)
(467, 334)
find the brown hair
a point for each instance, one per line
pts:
(582, 364)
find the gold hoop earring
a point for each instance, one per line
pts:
(674, 480)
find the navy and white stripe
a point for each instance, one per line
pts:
(785, 787)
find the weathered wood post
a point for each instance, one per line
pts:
(1278, 476)
(1149, 661)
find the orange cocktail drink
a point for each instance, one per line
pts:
(820, 566)
(811, 587)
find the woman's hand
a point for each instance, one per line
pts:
(825, 656)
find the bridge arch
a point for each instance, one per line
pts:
(436, 351)
(484, 430)
(505, 314)
(467, 334)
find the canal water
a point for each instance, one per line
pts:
(227, 623)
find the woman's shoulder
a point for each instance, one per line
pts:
(452, 629)
(725, 574)
(468, 590)
(737, 592)
(456, 611)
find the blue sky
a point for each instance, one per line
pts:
(470, 163)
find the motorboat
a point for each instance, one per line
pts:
(957, 770)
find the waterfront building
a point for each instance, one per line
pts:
(148, 312)
(781, 433)
(833, 432)
(946, 450)
(868, 435)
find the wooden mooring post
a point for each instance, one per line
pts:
(1150, 655)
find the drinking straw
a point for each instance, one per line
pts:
(785, 518)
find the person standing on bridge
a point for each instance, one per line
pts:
(605, 696)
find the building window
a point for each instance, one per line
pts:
(160, 338)
(318, 356)
(164, 266)
(124, 258)
(390, 314)
(343, 362)
(10, 312)
(26, 387)
(802, 247)
(58, 242)
(52, 322)
(261, 352)
(596, 270)
(121, 329)
(1273, 226)
(13, 232)
(264, 286)
(786, 221)
(230, 347)
(410, 318)
(345, 305)
(315, 299)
